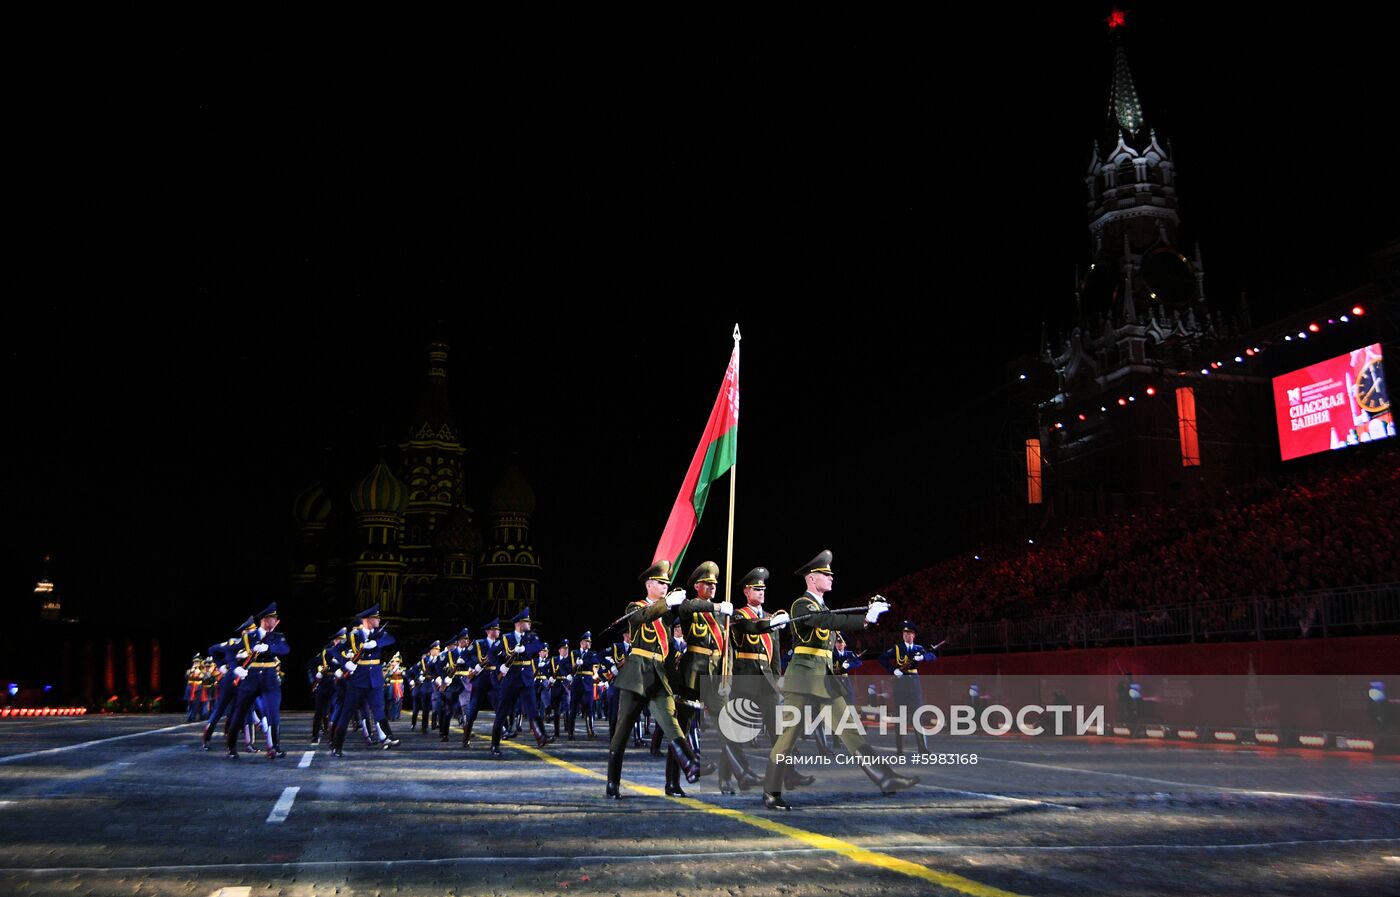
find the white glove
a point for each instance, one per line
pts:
(899, 672)
(569, 679)
(873, 614)
(779, 620)
(242, 655)
(675, 598)
(845, 664)
(240, 673)
(519, 649)
(724, 608)
(614, 671)
(477, 668)
(259, 648)
(440, 682)
(224, 668)
(504, 668)
(339, 674)
(351, 666)
(318, 675)
(370, 644)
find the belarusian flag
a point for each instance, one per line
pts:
(713, 458)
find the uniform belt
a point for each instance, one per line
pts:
(696, 649)
(803, 649)
(463, 672)
(368, 663)
(520, 663)
(638, 652)
(264, 665)
(744, 655)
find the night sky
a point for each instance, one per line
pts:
(229, 265)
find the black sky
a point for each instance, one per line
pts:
(230, 262)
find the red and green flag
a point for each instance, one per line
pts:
(714, 457)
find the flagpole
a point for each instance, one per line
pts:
(726, 667)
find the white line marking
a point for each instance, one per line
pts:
(1014, 800)
(1222, 789)
(73, 747)
(7, 803)
(233, 892)
(479, 860)
(283, 807)
(306, 759)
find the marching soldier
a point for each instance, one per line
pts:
(843, 664)
(561, 688)
(701, 669)
(902, 661)
(518, 684)
(194, 682)
(360, 664)
(418, 683)
(456, 669)
(810, 685)
(488, 658)
(756, 670)
(224, 703)
(587, 665)
(322, 675)
(616, 660)
(257, 677)
(394, 688)
(642, 679)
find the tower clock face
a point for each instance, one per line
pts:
(1370, 389)
(1169, 277)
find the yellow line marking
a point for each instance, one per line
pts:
(811, 839)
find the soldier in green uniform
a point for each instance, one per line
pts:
(757, 653)
(809, 683)
(642, 679)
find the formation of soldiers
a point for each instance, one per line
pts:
(680, 659)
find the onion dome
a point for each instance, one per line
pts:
(313, 505)
(513, 493)
(380, 491)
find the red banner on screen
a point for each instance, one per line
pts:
(1333, 404)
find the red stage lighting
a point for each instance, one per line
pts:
(1313, 328)
(1151, 390)
(1358, 310)
(1122, 401)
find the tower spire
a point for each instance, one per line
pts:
(1124, 107)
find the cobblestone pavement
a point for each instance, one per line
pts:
(131, 805)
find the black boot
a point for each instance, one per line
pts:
(691, 765)
(466, 738)
(615, 775)
(824, 743)
(541, 739)
(316, 729)
(656, 742)
(389, 739)
(231, 738)
(887, 780)
(772, 795)
(338, 740)
(794, 779)
(208, 733)
(673, 775)
(743, 772)
(588, 720)
(725, 773)
(276, 750)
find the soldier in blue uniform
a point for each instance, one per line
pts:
(417, 680)
(586, 664)
(902, 661)
(321, 673)
(224, 703)
(488, 658)
(456, 668)
(616, 659)
(361, 665)
(519, 649)
(561, 688)
(260, 649)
